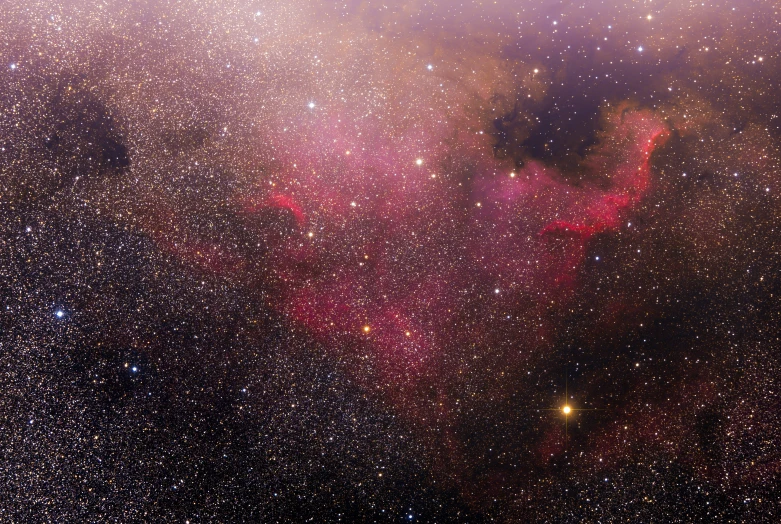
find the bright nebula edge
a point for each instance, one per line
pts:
(511, 261)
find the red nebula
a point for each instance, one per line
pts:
(407, 294)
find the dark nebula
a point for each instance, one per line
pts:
(365, 262)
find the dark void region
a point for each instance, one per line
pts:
(560, 129)
(61, 133)
(81, 127)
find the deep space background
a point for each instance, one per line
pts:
(346, 262)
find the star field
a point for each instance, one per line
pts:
(414, 261)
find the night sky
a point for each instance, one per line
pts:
(455, 261)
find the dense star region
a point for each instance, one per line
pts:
(414, 261)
